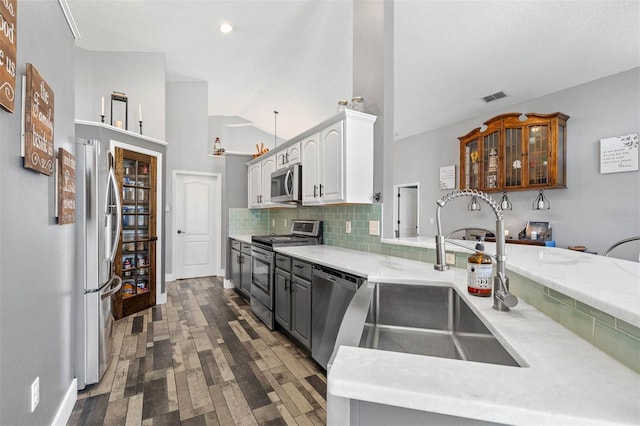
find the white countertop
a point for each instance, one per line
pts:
(609, 284)
(241, 238)
(565, 381)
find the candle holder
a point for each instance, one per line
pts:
(120, 98)
(140, 122)
(102, 118)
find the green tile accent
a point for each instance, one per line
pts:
(605, 318)
(562, 298)
(530, 291)
(630, 329)
(576, 321)
(619, 345)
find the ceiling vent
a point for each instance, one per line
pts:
(494, 97)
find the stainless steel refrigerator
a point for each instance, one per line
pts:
(98, 225)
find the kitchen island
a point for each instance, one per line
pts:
(563, 379)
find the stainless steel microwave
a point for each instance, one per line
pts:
(286, 185)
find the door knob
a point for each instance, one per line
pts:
(180, 231)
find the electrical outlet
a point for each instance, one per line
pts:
(285, 223)
(35, 394)
(450, 258)
(347, 227)
(374, 227)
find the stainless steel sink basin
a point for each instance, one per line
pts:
(428, 320)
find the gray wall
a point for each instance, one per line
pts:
(140, 75)
(239, 139)
(36, 254)
(373, 79)
(187, 135)
(595, 210)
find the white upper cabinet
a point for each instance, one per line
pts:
(288, 156)
(337, 162)
(310, 153)
(268, 167)
(336, 158)
(259, 179)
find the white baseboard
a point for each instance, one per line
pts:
(65, 409)
(161, 298)
(223, 273)
(228, 284)
(168, 278)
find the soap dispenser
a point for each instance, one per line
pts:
(479, 272)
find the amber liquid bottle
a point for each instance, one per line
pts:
(479, 273)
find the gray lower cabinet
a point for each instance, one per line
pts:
(283, 298)
(301, 310)
(293, 298)
(240, 267)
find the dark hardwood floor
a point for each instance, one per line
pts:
(203, 359)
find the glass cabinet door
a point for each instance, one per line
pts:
(538, 148)
(472, 165)
(135, 227)
(513, 158)
(135, 261)
(490, 149)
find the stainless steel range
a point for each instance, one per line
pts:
(303, 233)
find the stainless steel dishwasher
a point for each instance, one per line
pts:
(331, 292)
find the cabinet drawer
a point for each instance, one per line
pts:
(283, 262)
(301, 269)
(235, 245)
(246, 249)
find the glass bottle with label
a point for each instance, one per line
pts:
(479, 272)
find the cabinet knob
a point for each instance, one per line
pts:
(180, 231)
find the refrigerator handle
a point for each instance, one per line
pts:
(113, 290)
(109, 283)
(114, 246)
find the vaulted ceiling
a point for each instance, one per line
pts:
(296, 56)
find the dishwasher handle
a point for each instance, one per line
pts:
(335, 277)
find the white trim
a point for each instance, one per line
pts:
(222, 273)
(123, 131)
(66, 407)
(396, 189)
(159, 210)
(69, 17)
(227, 284)
(217, 220)
(168, 278)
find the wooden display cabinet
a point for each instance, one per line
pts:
(512, 155)
(136, 256)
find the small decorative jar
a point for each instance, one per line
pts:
(342, 105)
(357, 103)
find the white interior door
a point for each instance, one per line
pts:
(406, 211)
(197, 224)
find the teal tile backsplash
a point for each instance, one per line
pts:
(613, 336)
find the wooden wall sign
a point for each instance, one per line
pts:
(8, 31)
(38, 136)
(66, 187)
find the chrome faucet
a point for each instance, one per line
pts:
(502, 299)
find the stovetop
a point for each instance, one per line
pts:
(303, 232)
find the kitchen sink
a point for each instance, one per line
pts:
(430, 320)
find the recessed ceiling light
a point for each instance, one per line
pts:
(225, 28)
